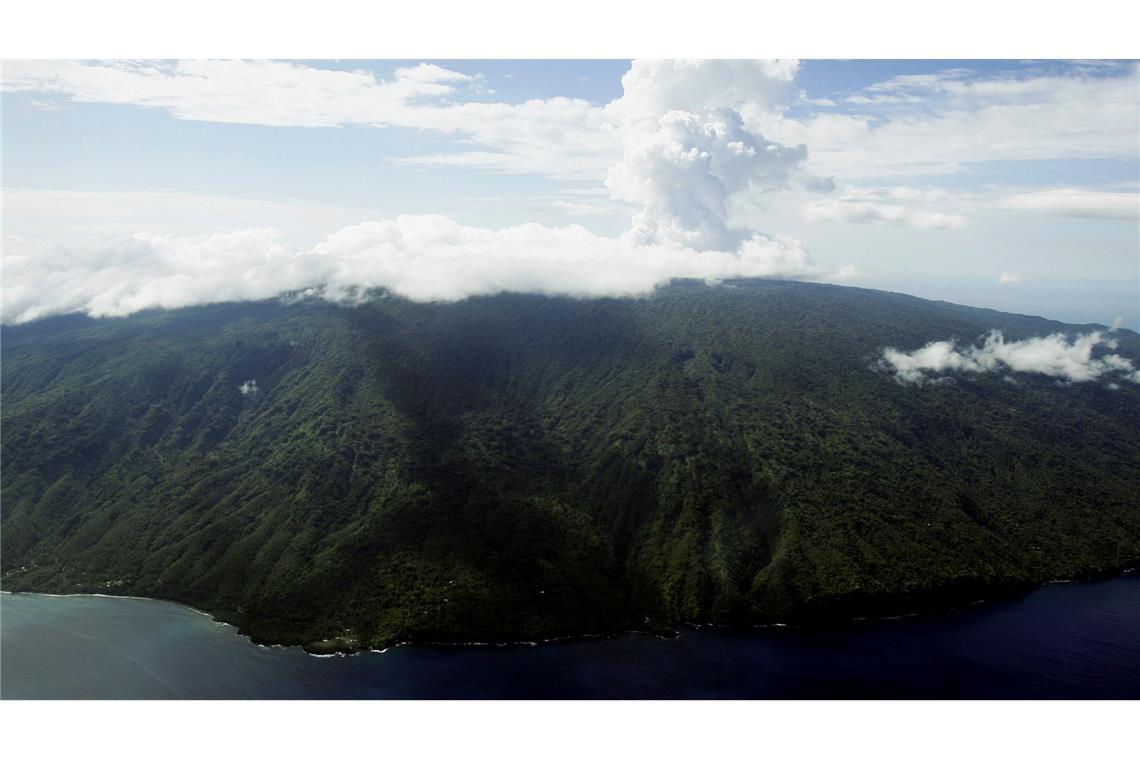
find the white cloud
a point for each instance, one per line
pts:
(684, 141)
(923, 124)
(269, 93)
(249, 387)
(429, 72)
(73, 216)
(894, 205)
(580, 208)
(1054, 355)
(686, 151)
(846, 273)
(564, 137)
(424, 258)
(949, 119)
(684, 167)
(1082, 204)
(686, 154)
(652, 88)
(1009, 278)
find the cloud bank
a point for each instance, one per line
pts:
(685, 153)
(423, 258)
(685, 142)
(1054, 355)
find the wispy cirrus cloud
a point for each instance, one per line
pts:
(1077, 203)
(904, 206)
(922, 123)
(562, 137)
(269, 93)
(932, 124)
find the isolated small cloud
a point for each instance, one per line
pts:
(48, 105)
(429, 72)
(846, 273)
(1009, 278)
(249, 387)
(1053, 355)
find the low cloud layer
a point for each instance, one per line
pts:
(424, 258)
(1054, 355)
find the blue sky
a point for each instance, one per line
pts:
(1012, 185)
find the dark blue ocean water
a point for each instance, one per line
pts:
(1062, 641)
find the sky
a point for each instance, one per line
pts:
(1012, 185)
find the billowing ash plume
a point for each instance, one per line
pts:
(684, 169)
(687, 150)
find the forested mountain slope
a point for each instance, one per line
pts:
(518, 467)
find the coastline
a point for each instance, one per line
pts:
(334, 648)
(126, 596)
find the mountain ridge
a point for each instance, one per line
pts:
(519, 467)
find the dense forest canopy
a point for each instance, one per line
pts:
(518, 467)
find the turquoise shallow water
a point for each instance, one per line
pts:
(1064, 640)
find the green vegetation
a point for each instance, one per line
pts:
(520, 467)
